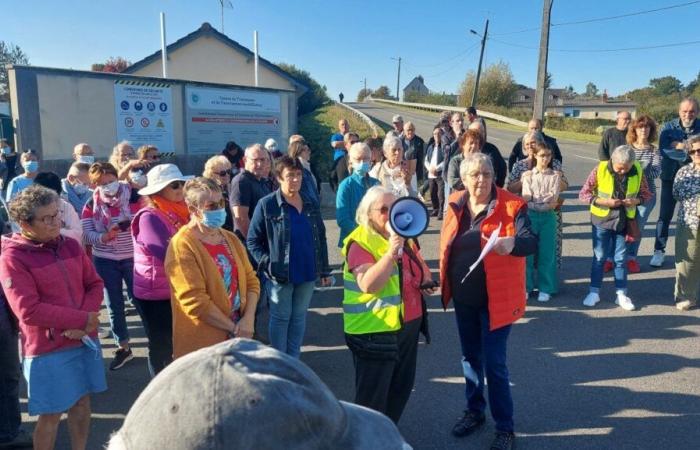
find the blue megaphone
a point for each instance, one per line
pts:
(409, 217)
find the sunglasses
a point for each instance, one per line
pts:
(383, 210)
(223, 173)
(176, 184)
(694, 151)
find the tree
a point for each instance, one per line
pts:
(693, 85)
(570, 89)
(113, 65)
(666, 85)
(363, 93)
(382, 92)
(315, 97)
(496, 86)
(591, 90)
(548, 80)
(9, 54)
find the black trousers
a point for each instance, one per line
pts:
(385, 368)
(437, 194)
(157, 318)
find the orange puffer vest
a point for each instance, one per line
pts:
(505, 275)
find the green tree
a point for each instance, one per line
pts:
(432, 98)
(315, 97)
(496, 87)
(693, 85)
(666, 85)
(113, 65)
(548, 80)
(382, 92)
(591, 90)
(9, 54)
(363, 93)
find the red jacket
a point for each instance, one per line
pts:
(50, 287)
(505, 275)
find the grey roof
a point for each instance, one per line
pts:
(416, 82)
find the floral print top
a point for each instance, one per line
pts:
(686, 189)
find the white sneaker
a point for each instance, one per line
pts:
(658, 259)
(543, 297)
(591, 299)
(624, 302)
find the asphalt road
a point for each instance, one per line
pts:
(582, 378)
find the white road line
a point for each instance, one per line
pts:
(587, 157)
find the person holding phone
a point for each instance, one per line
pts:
(106, 219)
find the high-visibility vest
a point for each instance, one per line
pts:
(378, 312)
(606, 187)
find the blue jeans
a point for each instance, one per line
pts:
(603, 241)
(114, 273)
(10, 418)
(484, 349)
(288, 305)
(643, 213)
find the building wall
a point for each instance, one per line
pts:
(209, 60)
(589, 112)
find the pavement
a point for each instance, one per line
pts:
(582, 378)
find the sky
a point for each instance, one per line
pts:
(343, 42)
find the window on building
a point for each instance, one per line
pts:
(576, 113)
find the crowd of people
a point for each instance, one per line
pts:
(239, 251)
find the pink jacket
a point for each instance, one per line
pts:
(151, 231)
(50, 287)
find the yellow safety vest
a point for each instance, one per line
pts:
(365, 313)
(606, 187)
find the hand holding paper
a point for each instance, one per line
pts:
(490, 244)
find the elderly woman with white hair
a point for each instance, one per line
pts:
(613, 190)
(489, 298)
(382, 312)
(219, 169)
(394, 173)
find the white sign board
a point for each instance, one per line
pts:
(144, 114)
(216, 116)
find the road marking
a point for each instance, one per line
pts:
(570, 432)
(587, 157)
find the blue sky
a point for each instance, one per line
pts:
(342, 42)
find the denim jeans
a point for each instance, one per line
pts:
(288, 305)
(668, 205)
(603, 241)
(157, 319)
(10, 418)
(485, 349)
(114, 273)
(643, 213)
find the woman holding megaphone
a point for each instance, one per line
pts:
(385, 278)
(488, 296)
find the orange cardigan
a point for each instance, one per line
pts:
(196, 286)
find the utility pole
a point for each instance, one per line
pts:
(540, 94)
(398, 78)
(481, 59)
(365, 80)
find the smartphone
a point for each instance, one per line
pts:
(124, 224)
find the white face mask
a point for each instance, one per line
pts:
(80, 189)
(86, 159)
(110, 189)
(138, 178)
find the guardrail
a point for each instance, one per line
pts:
(363, 117)
(440, 108)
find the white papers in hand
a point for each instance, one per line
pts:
(490, 244)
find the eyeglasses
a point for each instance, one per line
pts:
(694, 151)
(48, 220)
(223, 173)
(259, 160)
(383, 210)
(485, 175)
(176, 184)
(211, 206)
(543, 155)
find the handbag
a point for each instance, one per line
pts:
(632, 231)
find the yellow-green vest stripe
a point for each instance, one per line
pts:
(606, 187)
(370, 313)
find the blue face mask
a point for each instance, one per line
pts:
(31, 166)
(6, 150)
(86, 159)
(361, 168)
(214, 218)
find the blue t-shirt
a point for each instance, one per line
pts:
(337, 152)
(17, 185)
(302, 255)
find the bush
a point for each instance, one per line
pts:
(586, 126)
(431, 99)
(315, 97)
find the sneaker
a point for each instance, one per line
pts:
(658, 259)
(624, 302)
(591, 299)
(503, 441)
(633, 266)
(22, 440)
(607, 266)
(685, 305)
(543, 297)
(121, 357)
(468, 423)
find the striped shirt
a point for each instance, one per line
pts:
(650, 160)
(122, 247)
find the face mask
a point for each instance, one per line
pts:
(361, 168)
(6, 150)
(214, 219)
(138, 178)
(80, 189)
(110, 189)
(87, 159)
(31, 166)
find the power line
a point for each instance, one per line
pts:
(601, 19)
(648, 47)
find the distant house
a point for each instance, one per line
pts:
(560, 103)
(416, 86)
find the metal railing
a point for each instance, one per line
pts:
(363, 117)
(440, 108)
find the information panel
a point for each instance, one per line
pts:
(144, 113)
(216, 116)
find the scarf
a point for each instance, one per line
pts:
(177, 212)
(101, 207)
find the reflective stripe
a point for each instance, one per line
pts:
(352, 285)
(372, 305)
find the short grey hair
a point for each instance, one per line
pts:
(474, 159)
(23, 207)
(360, 147)
(538, 136)
(198, 189)
(391, 142)
(251, 148)
(371, 196)
(215, 161)
(624, 154)
(693, 140)
(692, 100)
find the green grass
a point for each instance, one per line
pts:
(317, 128)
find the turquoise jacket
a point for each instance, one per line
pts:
(347, 199)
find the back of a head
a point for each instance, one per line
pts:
(49, 180)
